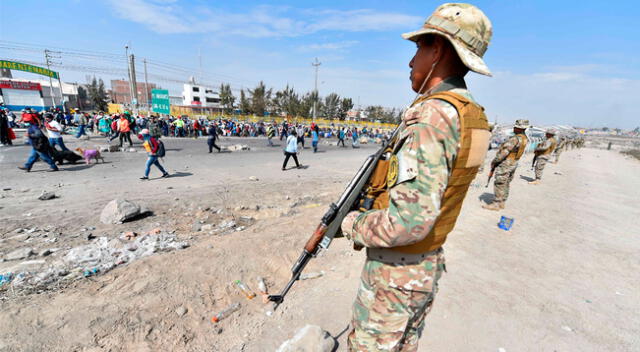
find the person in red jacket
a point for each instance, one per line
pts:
(151, 145)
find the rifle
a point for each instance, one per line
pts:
(493, 168)
(533, 163)
(329, 226)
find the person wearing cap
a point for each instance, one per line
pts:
(440, 145)
(543, 153)
(562, 145)
(54, 130)
(151, 145)
(505, 163)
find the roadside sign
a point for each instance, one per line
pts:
(160, 101)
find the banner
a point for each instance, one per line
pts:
(12, 65)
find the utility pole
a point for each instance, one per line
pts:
(126, 53)
(46, 58)
(134, 86)
(316, 64)
(146, 86)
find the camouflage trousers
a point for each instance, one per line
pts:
(557, 155)
(392, 303)
(541, 162)
(503, 177)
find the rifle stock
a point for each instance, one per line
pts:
(329, 226)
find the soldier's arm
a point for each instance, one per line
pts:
(544, 146)
(505, 149)
(414, 202)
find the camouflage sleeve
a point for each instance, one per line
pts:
(423, 171)
(544, 146)
(505, 149)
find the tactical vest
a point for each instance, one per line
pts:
(552, 147)
(474, 143)
(516, 154)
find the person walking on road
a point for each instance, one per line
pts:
(212, 132)
(40, 148)
(315, 138)
(291, 150)
(505, 163)
(81, 120)
(543, 154)
(341, 135)
(124, 130)
(271, 132)
(54, 130)
(151, 145)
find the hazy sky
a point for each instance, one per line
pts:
(554, 62)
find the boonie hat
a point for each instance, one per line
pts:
(466, 27)
(524, 124)
(551, 131)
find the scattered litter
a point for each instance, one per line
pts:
(90, 272)
(262, 287)
(47, 195)
(312, 205)
(501, 350)
(557, 173)
(245, 289)
(588, 301)
(506, 223)
(181, 311)
(309, 276)
(225, 312)
(619, 293)
(566, 328)
(253, 178)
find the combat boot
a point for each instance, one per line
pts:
(495, 206)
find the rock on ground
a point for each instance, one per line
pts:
(19, 254)
(310, 338)
(47, 195)
(118, 211)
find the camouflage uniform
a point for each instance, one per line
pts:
(393, 300)
(559, 148)
(541, 160)
(503, 174)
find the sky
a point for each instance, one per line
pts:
(554, 62)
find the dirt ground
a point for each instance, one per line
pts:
(564, 278)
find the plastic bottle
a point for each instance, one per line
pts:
(245, 289)
(226, 312)
(262, 287)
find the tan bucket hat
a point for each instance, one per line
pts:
(524, 124)
(466, 27)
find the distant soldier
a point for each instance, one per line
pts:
(505, 163)
(543, 153)
(562, 144)
(433, 159)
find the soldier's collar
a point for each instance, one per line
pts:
(447, 84)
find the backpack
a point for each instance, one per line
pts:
(161, 151)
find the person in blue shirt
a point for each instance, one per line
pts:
(341, 137)
(291, 150)
(40, 148)
(354, 135)
(314, 138)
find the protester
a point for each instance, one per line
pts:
(81, 120)
(124, 130)
(291, 150)
(212, 136)
(40, 148)
(5, 129)
(54, 129)
(314, 138)
(270, 134)
(341, 135)
(354, 136)
(151, 145)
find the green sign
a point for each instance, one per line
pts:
(12, 65)
(160, 101)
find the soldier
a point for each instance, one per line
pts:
(505, 163)
(543, 153)
(562, 143)
(441, 143)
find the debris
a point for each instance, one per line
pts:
(245, 289)
(197, 226)
(225, 312)
(120, 210)
(501, 350)
(181, 311)
(154, 231)
(310, 338)
(309, 276)
(45, 252)
(6, 189)
(129, 235)
(206, 227)
(506, 223)
(262, 287)
(253, 178)
(21, 253)
(90, 236)
(566, 328)
(240, 228)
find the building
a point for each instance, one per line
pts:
(121, 93)
(198, 95)
(17, 94)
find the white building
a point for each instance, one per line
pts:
(17, 94)
(198, 95)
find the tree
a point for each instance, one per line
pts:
(245, 104)
(286, 101)
(331, 106)
(82, 97)
(227, 99)
(260, 99)
(97, 94)
(345, 105)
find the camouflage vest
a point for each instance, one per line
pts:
(474, 143)
(516, 154)
(551, 148)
